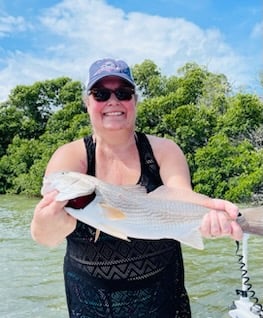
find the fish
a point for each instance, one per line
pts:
(128, 211)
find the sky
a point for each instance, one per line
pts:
(46, 39)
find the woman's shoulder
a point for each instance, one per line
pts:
(75, 145)
(164, 147)
(70, 156)
(161, 142)
(174, 169)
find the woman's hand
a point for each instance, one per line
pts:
(51, 223)
(221, 220)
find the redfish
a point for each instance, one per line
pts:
(128, 212)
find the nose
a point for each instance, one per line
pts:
(113, 99)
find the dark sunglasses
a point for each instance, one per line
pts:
(103, 94)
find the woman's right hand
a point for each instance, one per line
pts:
(51, 223)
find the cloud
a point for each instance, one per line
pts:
(10, 24)
(74, 33)
(97, 29)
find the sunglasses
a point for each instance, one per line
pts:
(103, 94)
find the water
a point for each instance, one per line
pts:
(31, 280)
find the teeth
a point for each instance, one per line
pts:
(113, 114)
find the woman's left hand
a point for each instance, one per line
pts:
(221, 220)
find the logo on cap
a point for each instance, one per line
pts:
(108, 67)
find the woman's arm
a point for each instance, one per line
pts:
(51, 223)
(174, 172)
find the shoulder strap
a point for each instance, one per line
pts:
(150, 174)
(90, 146)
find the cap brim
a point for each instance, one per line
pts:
(98, 78)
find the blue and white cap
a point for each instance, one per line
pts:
(109, 67)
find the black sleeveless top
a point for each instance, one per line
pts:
(114, 278)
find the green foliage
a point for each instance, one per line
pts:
(148, 78)
(191, 126)
(220, 133)
(242, 188)
(29, 108)
(191, 83)
(228, 170)
(150, 113)
(34, 122)
(20, 156)
(243, 115)
(10, 124)
(38, 100)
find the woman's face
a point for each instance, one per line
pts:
(113, 113)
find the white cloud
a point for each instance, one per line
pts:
(74, 33)
(97, 29)
(24, 69)
(10, 24)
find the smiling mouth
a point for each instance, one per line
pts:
(113, 114)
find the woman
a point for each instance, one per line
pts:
(112, 277)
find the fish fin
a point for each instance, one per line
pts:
(117, 234)
(97, 234)
(194, 239)
(177, 194)
(113, 232)
(111, 212)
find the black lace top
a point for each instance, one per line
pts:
(119, 279)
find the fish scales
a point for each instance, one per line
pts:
(133, 199)
(154, 215)
(158, 210)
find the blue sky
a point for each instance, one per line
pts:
(46, 39)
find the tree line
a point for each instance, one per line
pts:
(220, 131)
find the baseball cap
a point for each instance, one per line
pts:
(108, 67)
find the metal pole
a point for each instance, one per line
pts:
(245, 261)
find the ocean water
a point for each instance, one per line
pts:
(31, 280)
